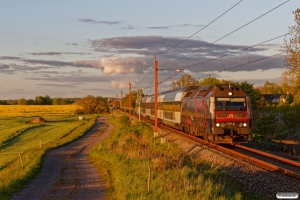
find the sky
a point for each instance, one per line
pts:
(75, 48)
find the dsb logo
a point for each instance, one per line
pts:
(230, 116)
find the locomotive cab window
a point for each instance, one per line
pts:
(230, 103)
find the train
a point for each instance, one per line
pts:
(219, 113)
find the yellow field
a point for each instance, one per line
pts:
(33, 110)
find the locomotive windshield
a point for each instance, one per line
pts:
(222, 103)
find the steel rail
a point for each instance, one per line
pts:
(261, 163)
(291, 162)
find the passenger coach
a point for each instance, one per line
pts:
(220, 113)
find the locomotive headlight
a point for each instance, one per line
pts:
(244, 124)
(222, 125)
(217, 124)
(230, 93)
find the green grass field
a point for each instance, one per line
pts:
(19, 138)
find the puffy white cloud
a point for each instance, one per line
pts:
(116, 65)
(121, 84)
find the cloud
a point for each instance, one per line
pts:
(186, 25)
(5, 69)
(128, 27)
(88, 63)
(88, 20)
(57, 85)
(46, 53)
(9, 58)
(118, 65)
(159, 27)
(3, 66)
(74, 44)
(150, 45)
(58, 53)
(119, 84)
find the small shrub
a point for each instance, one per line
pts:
(124, 121)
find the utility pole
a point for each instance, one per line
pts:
(155, 95)
(121, 99)
(129, 98)
(117, 101)
(139, 97)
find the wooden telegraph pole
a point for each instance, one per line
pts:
(129, 98)
(117, 101)
(121, 99)
(155, 94)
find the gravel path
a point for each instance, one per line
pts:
(66, 172)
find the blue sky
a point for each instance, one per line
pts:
(75, 48)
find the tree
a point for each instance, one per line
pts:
(47, 100)
(254, 94)
(184, 81)
(30, 102)
(39, 100)
(125, 100)
(102, 105)
(209, 81)
(271, 88)
(56, 101)
(91, 104)
(292, 46)
(22, 101)
(292, 58)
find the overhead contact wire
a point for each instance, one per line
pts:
(200, 29)
(226, 34)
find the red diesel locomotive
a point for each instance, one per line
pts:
(220, 113)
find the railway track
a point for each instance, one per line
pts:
(260, 158)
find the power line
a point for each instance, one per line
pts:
(254, 61)
(200, 29)
(146, 67)
(236, 51)
(225, 35)
(193, 34)
(241, 64)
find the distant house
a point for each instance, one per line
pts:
(275, 99)
(272, 98)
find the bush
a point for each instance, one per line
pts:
(124, 121)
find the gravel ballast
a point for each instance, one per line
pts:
(66, 172)
(264, 182)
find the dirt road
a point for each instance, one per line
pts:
(66, 172)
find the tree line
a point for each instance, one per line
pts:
(40, 100)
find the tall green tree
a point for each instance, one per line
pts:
(91, 104)
(292, 58)
(292, 46)
(184, 81)
(209, 81)
(22, 101)
(271, 88)
(254, 94)
(39, 100)
(47, 100)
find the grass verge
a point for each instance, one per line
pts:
(135, 165)
(14, 176)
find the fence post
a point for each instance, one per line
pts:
(21, 160)
(149, 178)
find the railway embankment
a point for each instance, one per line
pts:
(135, 164)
